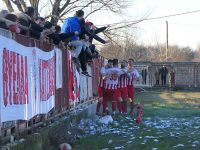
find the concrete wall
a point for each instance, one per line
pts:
(187, 74)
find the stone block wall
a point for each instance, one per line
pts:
(187, 74)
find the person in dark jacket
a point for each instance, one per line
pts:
(88, 51)
(36, 27)
(40, 21)
(57, 29)
(13, 27)
(157, 77)
(3, 24)
(144, 76)
(163, 73)
(172, 79)
(26, 18)
(88, 28)
(3, 13)
(49, 32)
(94, 31)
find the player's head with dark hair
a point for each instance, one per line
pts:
(80, 14)
(48, 25)
(57, 29)
(115, 62)
(110, 62)
(123, 63)
(30, 11)
(126, 62)
(130, 61)
(40, 21)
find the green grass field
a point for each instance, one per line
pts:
(171, 120)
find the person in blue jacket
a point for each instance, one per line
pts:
(72, 24)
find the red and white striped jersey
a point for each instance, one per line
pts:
(112, 81)
(101, 81)
(132, 76)
(123, 79)
(102, 72)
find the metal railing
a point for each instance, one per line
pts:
(62, 103)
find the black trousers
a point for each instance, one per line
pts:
(157, 82)
(84, 56)
(144, 78)
(163, 80)
(83, 59)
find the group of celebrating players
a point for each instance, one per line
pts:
(116, 86)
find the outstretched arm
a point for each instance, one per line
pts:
(98, 30)
(96, 37)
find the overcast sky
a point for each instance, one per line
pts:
(183, 30)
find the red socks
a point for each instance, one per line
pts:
(120, 106)
(124, 106)
(98, 107)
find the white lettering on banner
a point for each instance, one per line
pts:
(15, 78)
(58, 68)
(74, 82)
(90, 87)
(46, 76)
(45, 81)
(27, 78)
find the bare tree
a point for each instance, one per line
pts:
(128, 48)
(123, 47)
(59, 8)
(197, 55)
(112, 50)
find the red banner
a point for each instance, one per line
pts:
(46, 77)
(15, 78)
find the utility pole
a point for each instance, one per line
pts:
(167, 45)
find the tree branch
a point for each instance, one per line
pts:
(8, 5)
(51, 3)
(22, 2)
(55, 11)
(45, 5)
(94, 11)
(17, 3)
(64, 6)
(68, 10)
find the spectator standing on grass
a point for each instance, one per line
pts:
(157, 76)
(172, 79)
(144, 75)
(163, 73)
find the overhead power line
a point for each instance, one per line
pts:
(129, 23)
